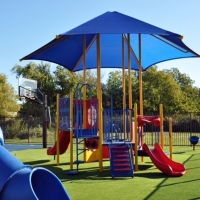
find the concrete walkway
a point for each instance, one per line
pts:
(19, 147)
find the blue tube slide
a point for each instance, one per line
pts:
(19, 181)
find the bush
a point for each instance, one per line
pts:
(15, 128)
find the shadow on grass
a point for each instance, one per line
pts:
(151, 175)
(178, 152)
(190, 168)
(142, 167)
(83, 174)
(92, 174)
(36, 162)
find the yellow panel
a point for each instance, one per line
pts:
(92, 155)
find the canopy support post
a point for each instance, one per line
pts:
(99, 101)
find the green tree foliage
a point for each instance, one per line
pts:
(67, 81)
(8, 98)
(161, 88)
(114, 82)
(105, 96)
(191, 94)
(169, 87)
(60, 81)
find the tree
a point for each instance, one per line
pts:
(182, 79)
(8, 98)
(169, 89)
(191, 94)
(67, 81)
(64, 80)
(114, 82)
(160, 88)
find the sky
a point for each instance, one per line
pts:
(28, 25)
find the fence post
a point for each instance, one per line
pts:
(190, 124)
(44, 121)
(28, 128)
(170, 137)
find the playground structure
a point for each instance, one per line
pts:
(98, 135)
(128, 46)
(118, 136)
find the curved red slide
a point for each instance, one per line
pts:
(64, 138)
(162, 162)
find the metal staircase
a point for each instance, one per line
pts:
(120, 160)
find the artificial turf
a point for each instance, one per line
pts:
(148, 182)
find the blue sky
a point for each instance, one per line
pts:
(28, 25)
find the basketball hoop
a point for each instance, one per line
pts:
(27, 88)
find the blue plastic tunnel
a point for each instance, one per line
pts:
(18, 181)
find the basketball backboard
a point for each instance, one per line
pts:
(27, 88)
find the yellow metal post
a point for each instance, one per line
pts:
(170, 137)
(161, 127)
(136, 137)
(123, 73)
(71, 131)
(140, 87)
(99, 98)
(124, 86)
(84, 89)
(100, 133)
(129, 73)
(140, 76)
(84, 79)
(58, 128)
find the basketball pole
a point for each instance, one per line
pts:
(44, 121)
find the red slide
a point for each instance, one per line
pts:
(64, 138)
(162, 162)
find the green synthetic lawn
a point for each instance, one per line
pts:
(148, 182)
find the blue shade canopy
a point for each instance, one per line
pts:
(157, 45)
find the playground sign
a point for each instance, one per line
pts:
(91, 111)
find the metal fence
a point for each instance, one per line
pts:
(29, 129)
(184, 125)
(26, 130)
